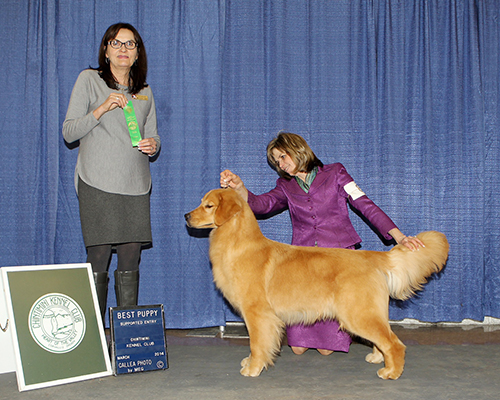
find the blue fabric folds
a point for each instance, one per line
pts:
(405, 94)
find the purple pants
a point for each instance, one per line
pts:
(321, 335)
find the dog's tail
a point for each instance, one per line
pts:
(409, 270)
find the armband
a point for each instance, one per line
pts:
(353, 190)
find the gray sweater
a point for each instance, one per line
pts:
(106, 158)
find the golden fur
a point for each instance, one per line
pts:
(274, 284)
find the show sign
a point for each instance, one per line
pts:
(7, 361)
(138, 339)
(55, 325)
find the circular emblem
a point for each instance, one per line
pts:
(57, 323)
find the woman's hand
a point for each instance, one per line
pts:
(233, 181)
(113, 101)
(148, 146)
(228, 179)
(411, 242)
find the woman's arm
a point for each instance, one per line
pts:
(233, 181)
(79, 119)
(151, 143)
(412, 242)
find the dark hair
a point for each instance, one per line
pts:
(298, 150)
(138, 71)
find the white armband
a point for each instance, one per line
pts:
(353, 190)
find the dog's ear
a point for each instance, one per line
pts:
(228, 207)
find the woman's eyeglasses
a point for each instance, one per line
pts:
(116, 44)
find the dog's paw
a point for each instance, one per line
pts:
(389, 373)
(252, 372)
(250, 369)
(245, 361)
(374, 358)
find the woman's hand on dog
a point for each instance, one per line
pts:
(230, 180)
(411, 242)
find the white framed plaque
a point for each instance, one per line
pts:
(56, 325)
(7, 361)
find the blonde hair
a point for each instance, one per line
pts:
(297, 148)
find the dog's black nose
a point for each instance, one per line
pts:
(187, 216)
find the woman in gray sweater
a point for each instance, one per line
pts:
(112, 176)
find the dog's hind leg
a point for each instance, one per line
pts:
(387, 347)
(368, 318)
(376, 357)
(265, 330)
(394, 356)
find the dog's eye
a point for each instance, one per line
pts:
(209, 206)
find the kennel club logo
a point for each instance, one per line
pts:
(57, 323)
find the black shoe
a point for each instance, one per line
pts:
(126, 287)
(101, 286)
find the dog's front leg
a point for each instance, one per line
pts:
(254, 363)
(246, 367)
(264, 329)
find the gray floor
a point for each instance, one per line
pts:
(209, 369)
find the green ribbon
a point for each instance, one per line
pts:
(132, 125)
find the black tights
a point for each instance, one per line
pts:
(129, 255)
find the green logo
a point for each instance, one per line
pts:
(57, 323)
(132, 125)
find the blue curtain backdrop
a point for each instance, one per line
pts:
(404, 93)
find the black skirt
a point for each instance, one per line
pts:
(109, 218)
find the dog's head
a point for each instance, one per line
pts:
(216, 208)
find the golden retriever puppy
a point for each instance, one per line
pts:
(272, 284)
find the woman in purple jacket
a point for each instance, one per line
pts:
(316, 196)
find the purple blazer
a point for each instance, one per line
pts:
(321, 217)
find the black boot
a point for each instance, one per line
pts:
(126, 287)
(101, 286)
